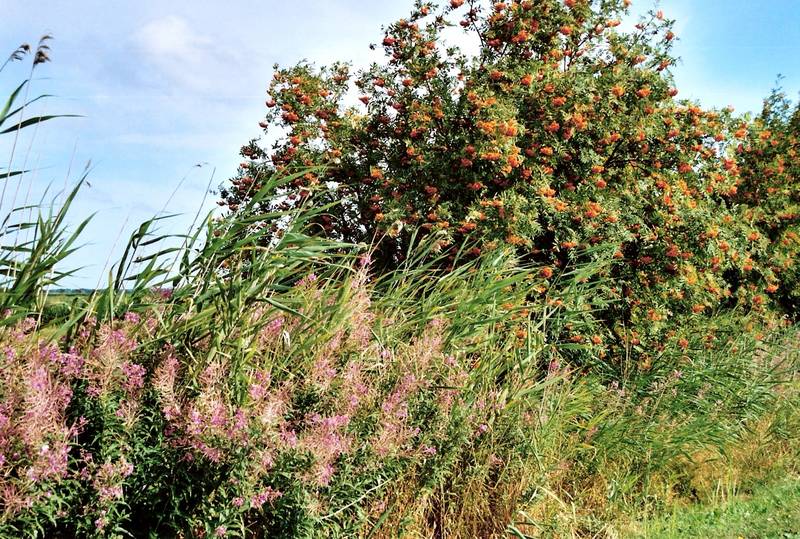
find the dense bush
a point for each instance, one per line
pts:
(54, 312)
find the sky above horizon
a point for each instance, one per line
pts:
(163, 87)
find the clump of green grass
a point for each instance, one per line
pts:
(772, 511)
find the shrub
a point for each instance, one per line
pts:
(52, 312)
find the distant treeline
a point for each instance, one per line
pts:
(72, 291)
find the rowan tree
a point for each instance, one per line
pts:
(562, 136)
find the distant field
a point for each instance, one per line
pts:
(65, 296)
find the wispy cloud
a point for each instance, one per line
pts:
(185, 59)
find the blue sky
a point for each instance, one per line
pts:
(164, 86)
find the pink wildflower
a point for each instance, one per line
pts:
(365, 260)
(322, 372)
(134, 376)
(309, 279)
(268, 495)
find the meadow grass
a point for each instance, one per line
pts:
(772, 511)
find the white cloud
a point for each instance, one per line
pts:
(170, 36)
(183, 56)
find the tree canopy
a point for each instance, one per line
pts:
(560, 135)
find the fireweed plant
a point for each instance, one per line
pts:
(255, 378)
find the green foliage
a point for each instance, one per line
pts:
(288, 393)
(771, 512)
(769, 194)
